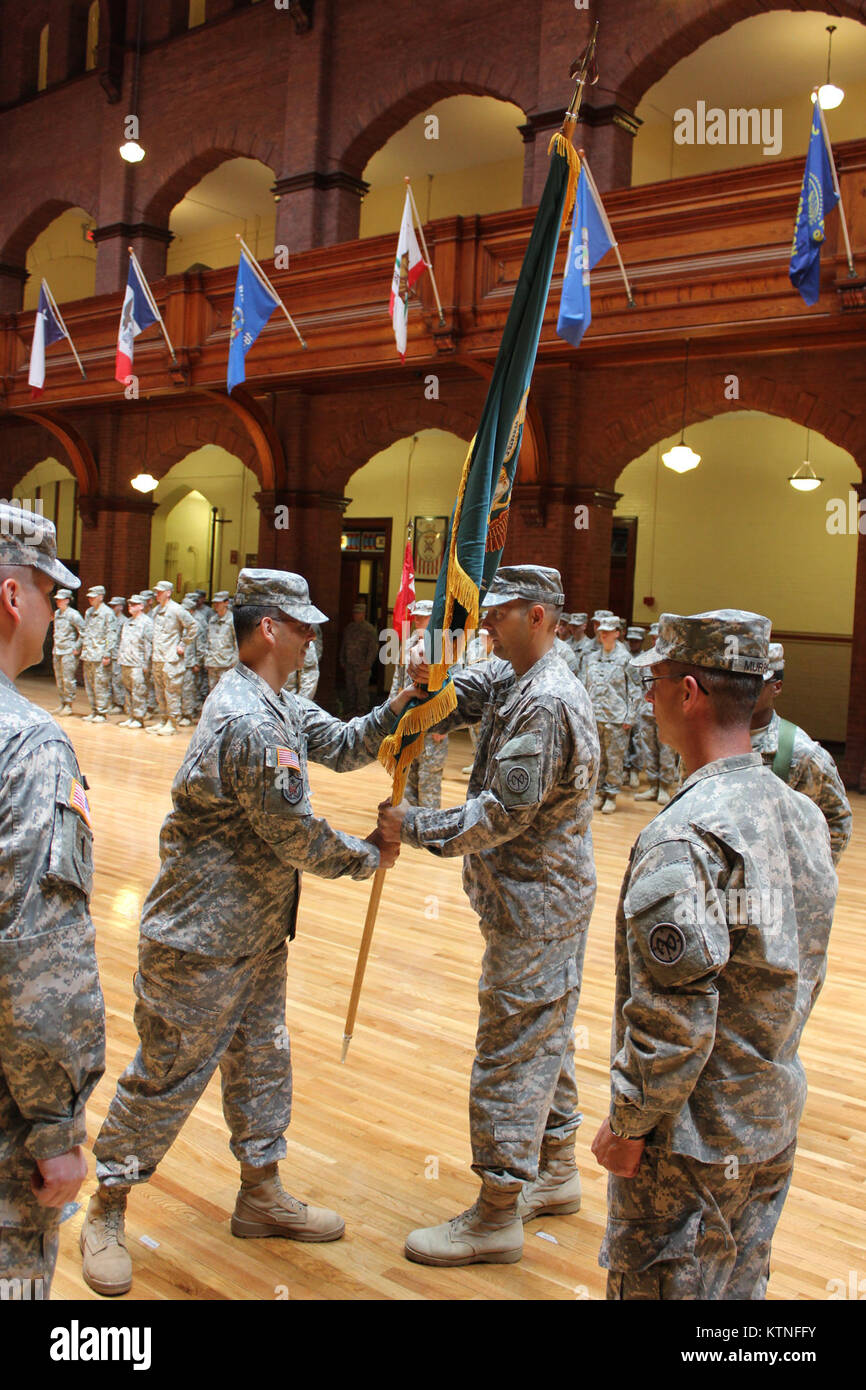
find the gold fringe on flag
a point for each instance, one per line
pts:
(459, 587)
(563, 146)
(417, 721)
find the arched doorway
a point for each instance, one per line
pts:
(733, 534)
(190, 543)
(64, 255)
(50, 488)
(234, 198)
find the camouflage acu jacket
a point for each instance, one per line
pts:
(243, 826)
(525, 827)
(52, 1019)
(221, 650)
(67, 632)
(721, 942)
(97, 637)
(134, 649)
(814, 773)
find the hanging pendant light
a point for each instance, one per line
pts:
(829, 95)
(681, 458)
(805, 478)
(131, 150)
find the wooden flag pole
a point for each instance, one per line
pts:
(829, 148)
(151, 301)
(361, 963)
(584, 164)
(427, 260)
(54, 309)
(263, 280)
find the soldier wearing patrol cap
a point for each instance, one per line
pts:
(68, 625)
(148, 599)
(52, 1019)
(358, 651)
(530, 876)
(632, 763)
(173, 627)
(221, 648)
(97, 646)
(721, 942)
(797, 758)
(424, 781)
(659, 762)
(134, 658)
(615, 700)
(211, 981)
(118, 695)
(190, 704)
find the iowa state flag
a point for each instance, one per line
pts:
(138, 313)
(479, 520)
(818, 196)
(407, 245)
(252, 308)
(589, 241)
(47, 328)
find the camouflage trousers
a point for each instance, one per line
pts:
(28, 1256)
(190, 702)
(633, 760)
(97, 683)
(135, 692)
(215, 675)
(118, 693)
(151, 692)
(65, 669)
(613, 741)
(523, 1083)
(357, 691)
(424, 783)
(682, 1229)
(193, 1014)
(168, 682)
(658, 760)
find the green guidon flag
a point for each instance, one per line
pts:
(479, 520)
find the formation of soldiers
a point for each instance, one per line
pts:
(160, 658)
(721, 931)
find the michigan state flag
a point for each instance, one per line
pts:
(818, 196)
(479, 520)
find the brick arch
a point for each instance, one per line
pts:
(666, 34)
(372, 431)
(377, 117)
(198, 157)
(19, 240)
(45, 431)
(659, 415)
(172, 441)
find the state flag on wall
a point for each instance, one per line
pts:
(139, 312)
(818, 196)
(407, 245)
(48, 327)
(253, 306)
(589, 241)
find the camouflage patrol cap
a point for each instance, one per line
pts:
(776, 658)
(187, 601)
(279, 589)
(222, 596)
(146, 593)
(635, 634)
(29, 539)
(577, 619)
(536, 583)
(727, 639)
(136, 598)
(117, 599)
(422, 608)
(96, 591)
(164, 586)
(609, 624)
(654, 630)
(601, 613)
(63, 593)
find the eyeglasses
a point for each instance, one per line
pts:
(647, 681)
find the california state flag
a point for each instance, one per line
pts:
(406, 246)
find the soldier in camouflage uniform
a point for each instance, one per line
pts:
(211, 982)
(134, 658)
(190, 704)
(68, 625)
(149, 601)
(118, 696)
(358, 651)
(52, 1020)
(721, 941)
(632, 763)
(424, 781)
(810, 768)
(97, 647)
(173, 628)
(615, 699)
(530, 876)
(221, 648)
(658, 761)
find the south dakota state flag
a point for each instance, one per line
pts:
(818, 196)
(479, 520)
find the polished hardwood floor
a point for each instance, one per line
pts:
(384, 1137)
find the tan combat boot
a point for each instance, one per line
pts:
(167, 729)
(634, 778)
(556, 1190)
(264, 1208)
(489, 1233)
(663, 797)
(106, 1267)
(609, 806)
(650, 793)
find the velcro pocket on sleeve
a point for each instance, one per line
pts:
(518, 771)
(667, 912)
(70, 855)
(283, 781)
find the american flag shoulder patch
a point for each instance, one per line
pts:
(286, 757)
(78, 800)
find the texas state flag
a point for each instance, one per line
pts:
(138, 313)
(47, 328)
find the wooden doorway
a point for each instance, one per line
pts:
(364, 570)
(623, 548)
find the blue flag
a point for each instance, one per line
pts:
(253, 306)
(818, 196)
(587, 244)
